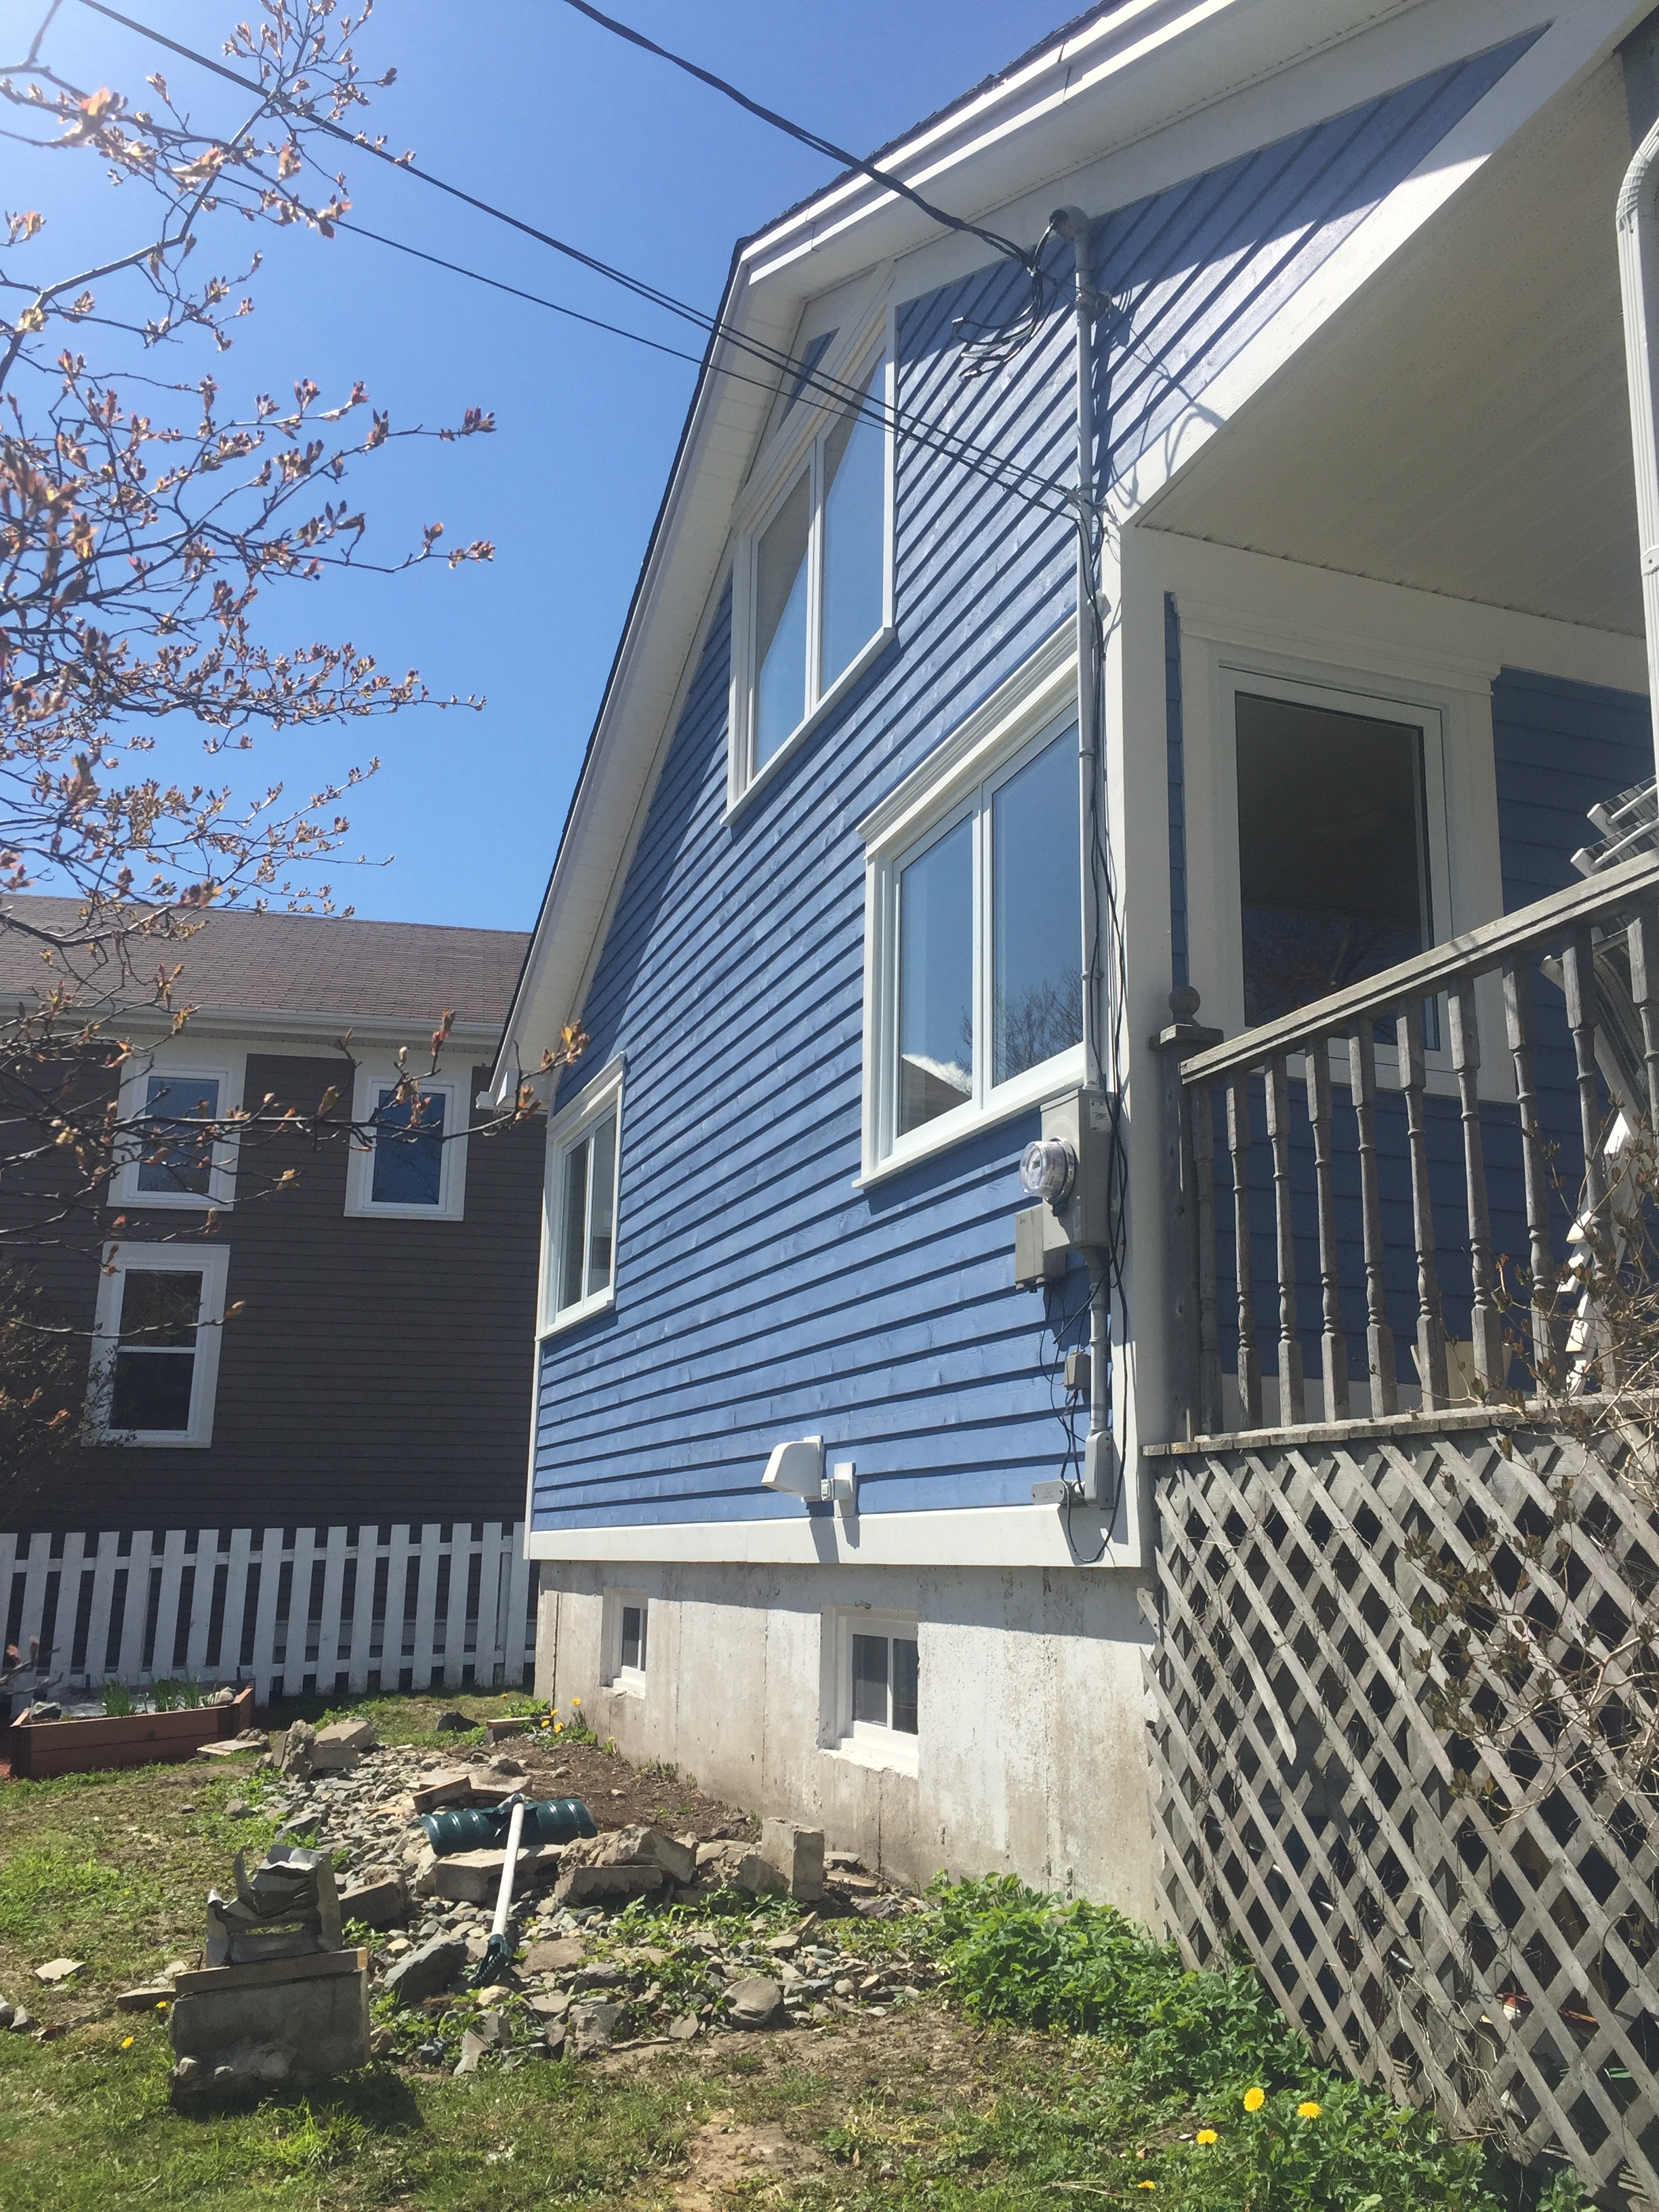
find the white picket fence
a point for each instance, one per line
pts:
(295, 1611)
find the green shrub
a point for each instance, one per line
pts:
(167, 1695)
(1231, 2109)
(118, 1699)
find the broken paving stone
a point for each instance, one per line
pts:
(58, 1970)
(475, 1877)
(379, 1904)
(473, 2048)
(294, 1751)
(381, 2041)
(21, 2021)
(798, 1855)
(684, 2027)
(562, 1955)
(336, 1748)
(303, 1828)
(452, 1724)
(144, 1999)
(554, 2006)
(755, 2000)
(580, 1885)
(447, 1785)
(239, 1809)
(428, 1971)
(592, 2027)
(647, 1846)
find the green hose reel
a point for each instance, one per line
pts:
(483, 1827)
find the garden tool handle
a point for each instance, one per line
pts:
(504, 1895)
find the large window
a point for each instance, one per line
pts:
(155, 1359)
(583, 1178)
(415, 1165)
(980, 996)
(170, 1155)
(1340, 818)
(812, 580)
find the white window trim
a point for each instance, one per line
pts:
(613, 1676)
(211, 1262)
(372, 1078)
(1033, 705)
(1234, 655)
(846, 365)
(229, 1070)
(862, 1742)
(567, 1128)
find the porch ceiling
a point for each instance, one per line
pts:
(1462, 426)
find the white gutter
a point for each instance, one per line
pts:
(1638, 285)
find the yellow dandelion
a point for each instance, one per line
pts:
(1207, 2137)
(575, 1701)
(126, 2043)
(1309, 2111)
(1254, 2100)
(160, 2004)
(1146, 2185)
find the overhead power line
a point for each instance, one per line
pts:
(1025, 255)
(949, 445)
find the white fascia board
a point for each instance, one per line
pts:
(1573, 45)
(291, 1030)
(969, 1536)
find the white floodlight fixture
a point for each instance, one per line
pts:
(796, 1468)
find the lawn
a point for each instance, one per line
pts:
(1073, 2063)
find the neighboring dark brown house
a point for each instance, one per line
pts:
(327, 1488)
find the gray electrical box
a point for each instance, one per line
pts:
(1069, 1169)
(1040, 1250)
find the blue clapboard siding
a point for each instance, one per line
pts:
(758, 1295)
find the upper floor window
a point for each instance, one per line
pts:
(415, 1163)
(175, 1152)
(580, 1220)
(812, 582)
(975, 971)
(155, 1357)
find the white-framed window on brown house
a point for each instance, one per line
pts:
(155, 1368)
(411, 1162)
(174, 1152)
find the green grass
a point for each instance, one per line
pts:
(1077, 2063)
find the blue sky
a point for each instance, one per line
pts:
(542, 113)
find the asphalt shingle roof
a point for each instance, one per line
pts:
(295, 963)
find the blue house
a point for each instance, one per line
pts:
(882, 871)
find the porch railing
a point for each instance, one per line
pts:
(1605, 935)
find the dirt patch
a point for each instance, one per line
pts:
(725, 2152)
(619, 1796)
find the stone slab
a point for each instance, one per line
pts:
(320, 1966)
(475, 1877)
(453, 1786)
(247, 2035)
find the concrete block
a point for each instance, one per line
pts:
(450, 1786)
(336, 1748)
(475, 1877)
(382, 1903)
(740, 1866)
(589, 1885)
(798, 1855)
(646, 1847)
(561, 1954)
(236, 2030)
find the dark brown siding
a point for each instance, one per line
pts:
(380, 1369)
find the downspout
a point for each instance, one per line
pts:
(1638, 285)
(1072, 224)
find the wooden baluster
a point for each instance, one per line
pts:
(1643, 942)
(1292, 1396)
(1333, 1344)
(1578, 975)
(1486, 1324)
(1238, 1147)
(1201, 1117)
(1518, 1020)
(1430, 1329)
(1379, 1337)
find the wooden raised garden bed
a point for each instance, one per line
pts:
(40, 1748)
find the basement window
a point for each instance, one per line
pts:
(626, 1629)
(873, 1684)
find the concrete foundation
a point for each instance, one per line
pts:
(1029, 1754)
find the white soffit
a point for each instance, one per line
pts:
(1462, 425)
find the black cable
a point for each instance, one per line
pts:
(1026, 258)
(1012, 474)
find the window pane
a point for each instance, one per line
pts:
(573, 1225)
(161, 1307)
(152, 1390)
(1332, 850)
(905, 1673)
(601, 1201)
(633, 1636)
(1036, 983)
(855, 499)
(809, 357)
(409, 1167)
(781, 622)
(869, 1678)
(175, 1157)
(936, 979)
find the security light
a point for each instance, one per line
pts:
(796, 1468)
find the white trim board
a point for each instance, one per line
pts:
(966, 1536)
